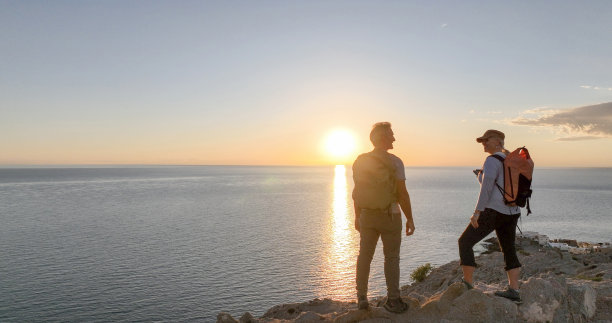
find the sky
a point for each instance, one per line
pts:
(266, 82)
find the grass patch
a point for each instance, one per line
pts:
(420, 273)
(523, 252)
(595, 279)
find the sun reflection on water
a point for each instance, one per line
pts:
(338, 281)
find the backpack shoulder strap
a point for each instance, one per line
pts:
(498, 157)
(386, 162)
(501, 189)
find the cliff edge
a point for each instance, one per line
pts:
(556, 286)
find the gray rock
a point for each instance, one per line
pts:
(307, 317)
(475, 306)
(224, 317)
(248, 318)
(582, 301)
(293, 310)
(438, 305)
(374, 314)
(544, 300)
(379, 320)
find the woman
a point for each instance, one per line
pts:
(492, 214)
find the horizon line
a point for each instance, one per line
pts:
(241, 165)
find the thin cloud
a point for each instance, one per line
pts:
(596, 88)
(578, 138)
(443, 26)
(541, 112)
(583, 123)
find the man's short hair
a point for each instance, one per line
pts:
(378, 129)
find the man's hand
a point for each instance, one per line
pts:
(409, 227)
(357, 224)
(474, 220)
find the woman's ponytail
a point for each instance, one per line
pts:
(504, 150)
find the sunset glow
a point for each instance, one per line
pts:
(301, 83)
(340, 144)
(343, 239)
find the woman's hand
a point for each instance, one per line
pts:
(474, 220)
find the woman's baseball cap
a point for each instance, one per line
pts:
(491, 133)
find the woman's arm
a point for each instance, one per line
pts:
(489, 175)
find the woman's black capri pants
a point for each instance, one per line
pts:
(505, 228)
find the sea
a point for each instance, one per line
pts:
(183, 243)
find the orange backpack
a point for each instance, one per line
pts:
(518, 172)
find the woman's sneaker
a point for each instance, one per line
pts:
(395, 305)
(511, 294)
(467, 285)
(362, 303)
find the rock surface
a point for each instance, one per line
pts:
(556, 286)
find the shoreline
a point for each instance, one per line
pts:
(562, 280)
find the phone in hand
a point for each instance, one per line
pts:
(477, 171)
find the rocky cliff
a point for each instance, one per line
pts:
(556, 286)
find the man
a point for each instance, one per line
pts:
(379, 186)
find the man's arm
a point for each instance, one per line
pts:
(404, 202)
(357, 215)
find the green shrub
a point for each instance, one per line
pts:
(420, 273)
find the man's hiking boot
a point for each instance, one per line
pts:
(362, 303)
(468, 285)
(511, 294)
(395, 305)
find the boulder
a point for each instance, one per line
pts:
(224, 317)
(321, 306)
(544, 300)
(248, 318)
(374, 314)
(475, 306)
(438, 305)
(582, 301)
(307, 317)
(604, 301)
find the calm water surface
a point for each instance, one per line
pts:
(183, 243)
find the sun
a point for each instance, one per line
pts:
(340, 144)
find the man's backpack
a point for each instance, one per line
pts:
(375, 183)
(518, 172)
